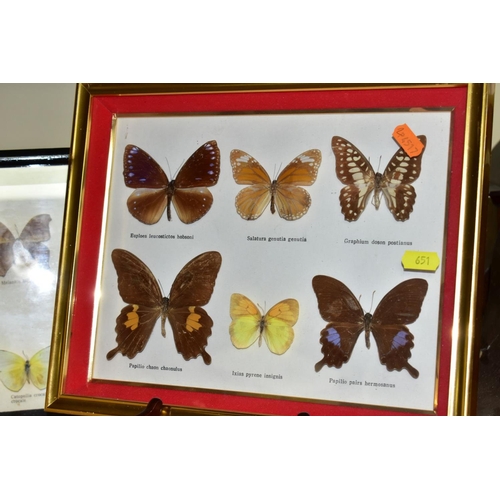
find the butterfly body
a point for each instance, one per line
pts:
(394, 184)
(191, 289)
(249, 324)
(170, 195)
(377, 189)
(15, 370)
(31, 241)
(188, 192)
(283, 194)
(346, 320)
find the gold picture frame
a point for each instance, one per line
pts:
(235, 262)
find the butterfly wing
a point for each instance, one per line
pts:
(191, 198)
(345, 317)
(191, 327)
(134, 326)
(192, 204)
(191, 289)
(291, 200)
(13, 372)
(396, 181)
(150, 183)
(136, 282)
(38, 368)
(138, 287)
(253, 200)
(7, 240)
(356, 172)
(33, 235)
(400, 307)
(244, 329)
(279, 321)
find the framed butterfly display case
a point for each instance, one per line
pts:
(270, 249)
(32, 192)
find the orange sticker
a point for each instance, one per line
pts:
(408, 140)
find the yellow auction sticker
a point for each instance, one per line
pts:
(420, 261)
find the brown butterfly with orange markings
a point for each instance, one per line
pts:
(284, 193)
(346, 320)
(191, 289)
(154, 192)
(356, 172)
(28, 247)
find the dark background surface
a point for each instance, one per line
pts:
(488, 389)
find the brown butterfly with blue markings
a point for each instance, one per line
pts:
(29, 247)
(356, 172)
(188, 192)
(346, 320)
(191, 289)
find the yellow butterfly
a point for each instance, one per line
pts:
(275, 326)
(15, 371)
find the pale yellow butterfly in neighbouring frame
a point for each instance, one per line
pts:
(15, 370)
(250, 324)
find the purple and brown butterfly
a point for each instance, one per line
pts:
(32, 239)
(191, 289)
(346, 319)
(188, 192)
(356, 172)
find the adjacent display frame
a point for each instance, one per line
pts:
(96, 185)
(33, 186)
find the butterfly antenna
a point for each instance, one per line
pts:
(169, 169)
(371, 305)
(161, 289)
(276, 172)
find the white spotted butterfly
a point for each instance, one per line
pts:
(356, 172)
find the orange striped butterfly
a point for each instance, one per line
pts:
(284, 194)
(346, 320)
(356, 172)
(188, 192)
(30, 242)
(191, 289)
(249, 324)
